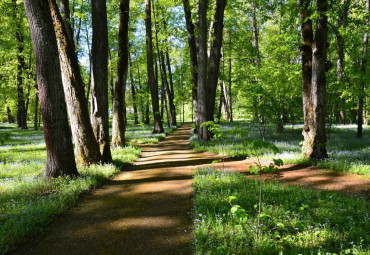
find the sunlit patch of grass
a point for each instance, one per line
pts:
(346, 152)
(143, 134)
(294, 220)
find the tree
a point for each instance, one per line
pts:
(360, 118)
(153, 83)
(193, 58)
(21, 107)
(83, 136)
(207, 85)
(314, 87)
(99, 80)
(60, 156)
(118, 135)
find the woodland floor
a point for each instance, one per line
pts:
(146, 209)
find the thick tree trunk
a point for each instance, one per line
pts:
(158, 128)
(99, 80)
(215, 56)
(21, 107)
(118, 135)
(306, 48)
(193, 58)
(360, 118)
(87, 147)
(147, 111)
(60, 157)
(314, 130)
(203, 133)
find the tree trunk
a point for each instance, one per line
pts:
(36, 111)
(171, 92)
(87, 147)
(99, 80)
(360, 118)
(158, 128)
(118, 135)
(59, 148)
(133, 92)
(215, 56)
(64, 9)
(314, 132)
(21, 107)
(10, 116)
(255, 32)
(230, 104)
(306, 48)
(340, 60)
(193, 59)
(203, 134)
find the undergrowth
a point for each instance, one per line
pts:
(294, 220)
(346, 153)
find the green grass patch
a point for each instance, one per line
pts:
(294, 220)
(143, 134)
(346, 152)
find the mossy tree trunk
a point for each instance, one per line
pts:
(118, 135)
(87, 147)
(99, 78)
(59, 148)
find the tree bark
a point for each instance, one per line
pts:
(256, 32)
(83, 136)
(66, 15)
(360, 118)
(10, 116)
(133, 93)
(315, 136)
(21, 107)
(215, 56)
(99, 78)
(36, 111)
(119, 127)
(170, 91)
(340, 60)
(60, 156)
(193, 59)
(158, 128)
(203, 134)
(230, 104)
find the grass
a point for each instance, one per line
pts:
(28, 202)
(143, 134)
(294, 220)
(346, 152)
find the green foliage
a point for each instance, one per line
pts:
(294, 220)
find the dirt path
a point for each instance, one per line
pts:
(146, 209)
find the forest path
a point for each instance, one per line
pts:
(146, 209)
(143, 210)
